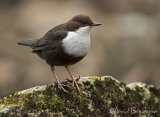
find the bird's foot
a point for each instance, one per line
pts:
(75, 82)
(76, 79)
(60, 86)
(76, 85)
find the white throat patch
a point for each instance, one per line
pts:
(77, 43)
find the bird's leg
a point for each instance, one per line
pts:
(70, 79)
(74, 81)
(59, 84)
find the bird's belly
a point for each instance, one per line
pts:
(63, 60)
(58, 57)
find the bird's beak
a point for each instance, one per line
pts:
(96, 24)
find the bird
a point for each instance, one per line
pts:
(64, 44)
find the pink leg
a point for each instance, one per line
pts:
(59, 84)
(77, 87)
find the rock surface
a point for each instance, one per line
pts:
(99, 97)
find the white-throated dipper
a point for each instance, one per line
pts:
(65, 44)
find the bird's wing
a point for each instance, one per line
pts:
(50, 40)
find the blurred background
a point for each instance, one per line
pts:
(126, 46)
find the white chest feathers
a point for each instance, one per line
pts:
(77, 43)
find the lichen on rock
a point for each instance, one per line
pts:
(99, 97)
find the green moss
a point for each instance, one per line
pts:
(98, 97)
(12, 99)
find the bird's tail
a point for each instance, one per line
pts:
(28, 42)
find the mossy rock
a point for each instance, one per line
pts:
(98, 97)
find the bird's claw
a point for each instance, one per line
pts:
(75, 82)
(76, 79)
(60, 86)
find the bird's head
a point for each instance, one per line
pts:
(83, 22)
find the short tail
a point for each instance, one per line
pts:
(28, 42)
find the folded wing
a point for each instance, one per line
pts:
(50, 41)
